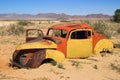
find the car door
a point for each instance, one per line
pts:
(79, 44)
(32, 34)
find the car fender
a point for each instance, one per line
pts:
(55, 55)
(103, 44)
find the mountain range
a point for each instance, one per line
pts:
(50, 16)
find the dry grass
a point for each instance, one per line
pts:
(110, 29)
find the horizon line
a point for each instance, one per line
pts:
(57, 13)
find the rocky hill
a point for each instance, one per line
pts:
(51, 16)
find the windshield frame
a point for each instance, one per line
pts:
(57, 33)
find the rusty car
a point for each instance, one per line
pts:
(67, 40)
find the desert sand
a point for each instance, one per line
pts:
(93, 68)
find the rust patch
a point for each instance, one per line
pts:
(53, 39)
(74, 25)
(36, 59)
(28, 58)
(46, 42)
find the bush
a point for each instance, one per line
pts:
(117, 45)
(100, 27)
(65, 21)
(24, 23)
(75, 63)
(115, 67)
(15, 30)
(61, 66)
(95, 67)
(118, 30)
(116, 16)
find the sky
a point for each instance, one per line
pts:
(70, 7)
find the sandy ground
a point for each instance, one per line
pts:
(6, 23)
(72, 69)
(94, 68)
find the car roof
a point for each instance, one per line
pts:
(71, 26)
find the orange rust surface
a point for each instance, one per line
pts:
(29, 55)
(46, 42)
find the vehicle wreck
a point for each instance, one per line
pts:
(69, 40)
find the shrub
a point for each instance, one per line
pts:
(116, 16)
(109, 34)
(24, 23)
(118, 30)
(15, 30)
(100, 27)
(115, 67)
(75, 63)
(95, 67)
(65, 21)
(117, 45)
(60, 66)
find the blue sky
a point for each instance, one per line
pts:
(71, 7)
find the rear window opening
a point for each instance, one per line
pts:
(81, 35)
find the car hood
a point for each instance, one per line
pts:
(42, 44)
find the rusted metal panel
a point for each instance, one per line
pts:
(36, 59)
(28, 58)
